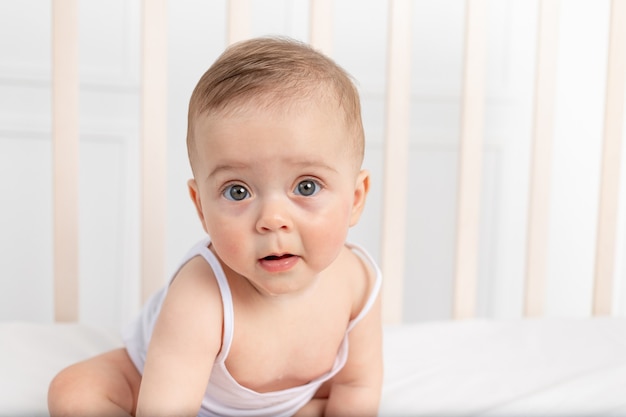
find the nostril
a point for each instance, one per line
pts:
(273, 223)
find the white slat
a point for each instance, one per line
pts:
(470, 160)
(154, 145)
(396, 158)
(321, 37)
(541, 164)
(239, 18)
(65, 140)
(612, 148)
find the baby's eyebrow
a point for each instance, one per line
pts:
(296, 163)
(302, 164)
(226, 167)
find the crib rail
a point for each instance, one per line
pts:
(543, 128)
(393, 252)
(609, 184)
(470, 159)
(396, 155)
(65, 157)
(154, 145)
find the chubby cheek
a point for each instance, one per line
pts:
(326, 237)
(329, 243)
(227, 238)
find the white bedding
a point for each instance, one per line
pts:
(542, 367)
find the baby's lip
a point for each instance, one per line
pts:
(279, 262)
(277, 257)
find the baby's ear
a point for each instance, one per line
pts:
(194, 193)
(361, 189)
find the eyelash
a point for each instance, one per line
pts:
(244, 193)
(228, 192)
(315, 183)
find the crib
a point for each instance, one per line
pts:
(487, 350)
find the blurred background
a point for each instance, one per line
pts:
(109, 147)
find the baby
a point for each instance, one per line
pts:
(273, 314)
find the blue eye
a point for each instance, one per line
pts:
(307, 188)
(236, 193)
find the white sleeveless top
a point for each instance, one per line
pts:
(224, 396)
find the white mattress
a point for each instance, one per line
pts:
(31, 354)
(543, 367)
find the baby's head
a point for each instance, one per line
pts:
(275, 74)
(275, 142)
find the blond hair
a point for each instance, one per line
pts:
(274, 72)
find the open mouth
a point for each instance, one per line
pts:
(277, 258)
(279, 263)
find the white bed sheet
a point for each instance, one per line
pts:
(31, 354)
(541, 367)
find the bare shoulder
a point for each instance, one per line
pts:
(195, 290)
(191, 310)
(198, 275)
(360, 276)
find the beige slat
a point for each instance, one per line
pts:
(611, 153)
(239, 21)
(396, 158)
(541, 163)
(321, 36)
(65, 139)
(154, 145)
(470, 160)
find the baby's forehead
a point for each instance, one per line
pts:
(271, 112)
(322, 125)
(271, 106)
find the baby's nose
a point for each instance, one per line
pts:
(273, 216)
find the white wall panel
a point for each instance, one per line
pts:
(436, 68)
(360, 43)
(109, 42)
(109, 70)
(25, 40)
(26, 225)
(577, 152)
(197, 35)
(108, 128)
(280, 17)
(430, 231)
(103, 207)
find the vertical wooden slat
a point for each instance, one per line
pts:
(321, 36)
(543, 130)
(396, 157)
(65, 139)
(239, 21)
(154, 144)
(470, 160)
(611, 153)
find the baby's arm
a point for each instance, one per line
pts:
(356, 390)
(314, 408)
(185, 342)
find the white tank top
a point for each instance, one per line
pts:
(224, 396)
